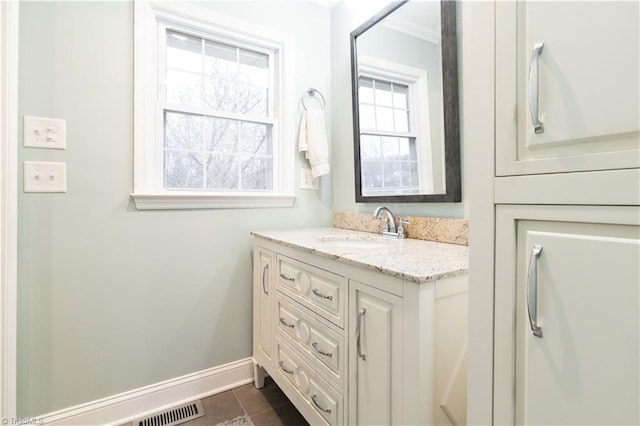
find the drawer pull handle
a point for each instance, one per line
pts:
(538, 127)
(324, 410)
(286, 324)
(264, 279)
(361, 313)
(532, 291)
(285, 368)
(317, 293)
(321, 352)
(284, 277)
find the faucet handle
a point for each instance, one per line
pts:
(385, 228)
(401, 232)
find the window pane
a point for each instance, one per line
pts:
(383, 93)
(184, 52)
(220, 95)
(390, 148)
(401, 120)
(220, 60)
(392, 174)
(182, 170)
(400, 99)
(372, 174)
(254, 139)
(367, 117)
(184, 88)
(256, 174)
(222, 172)
(183, 131)
(384, 118)
(365, 90)
(221, 69)
(370, 147)
(252, 100)
(409, 174)
(221, 135)
(254, 68)
(408, 149)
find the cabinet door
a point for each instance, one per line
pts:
(263, 289)
(582, 290)
(375, 356)
(588, 86)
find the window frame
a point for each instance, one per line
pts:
(409, 134)
(151, 19)
(417, 81)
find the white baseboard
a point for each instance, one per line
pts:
(124, 407)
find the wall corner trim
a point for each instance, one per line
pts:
(126, 406)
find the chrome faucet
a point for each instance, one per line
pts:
(390, 221)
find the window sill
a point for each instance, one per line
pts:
(188, 201)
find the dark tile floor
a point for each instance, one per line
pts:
(266, 407)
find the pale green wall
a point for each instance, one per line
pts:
(343, 21)
(112, 298)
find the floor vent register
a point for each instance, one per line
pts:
(173, 416)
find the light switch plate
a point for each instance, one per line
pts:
(41, 176)
(42, 132)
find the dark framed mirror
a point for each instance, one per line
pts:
(404, 78)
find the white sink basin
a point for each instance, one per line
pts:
(355, 241)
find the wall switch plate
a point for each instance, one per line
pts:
(41, 176)
(307, 180)
(42, 132)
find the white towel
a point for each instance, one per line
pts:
(312, 140)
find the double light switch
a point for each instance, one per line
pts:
(45, 133)
(43, 176)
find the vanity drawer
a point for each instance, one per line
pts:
(320, 395)
(311, 336)
(321, 291)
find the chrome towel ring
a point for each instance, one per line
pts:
(311, 93)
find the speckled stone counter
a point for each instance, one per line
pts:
(410, 259)
(444, 230)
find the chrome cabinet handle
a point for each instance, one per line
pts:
(321, 352)
(361, 313)
(285, 368)
(286, 324)
(284, 277)
(317, 293)
(538, 127)
(532, 291)
(264, 278)
(324, 410)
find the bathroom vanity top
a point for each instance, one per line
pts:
(409, 259)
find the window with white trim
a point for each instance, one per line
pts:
(395, 147)
(211, 128)
(387, 139)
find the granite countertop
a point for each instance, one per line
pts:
(409, 259)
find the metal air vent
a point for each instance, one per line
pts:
(173, 416)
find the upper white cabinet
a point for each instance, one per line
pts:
(582, 84)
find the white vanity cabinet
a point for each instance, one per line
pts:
(351, 345)
(375, 365)
(263, 295)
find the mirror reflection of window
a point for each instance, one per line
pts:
(388, 142)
